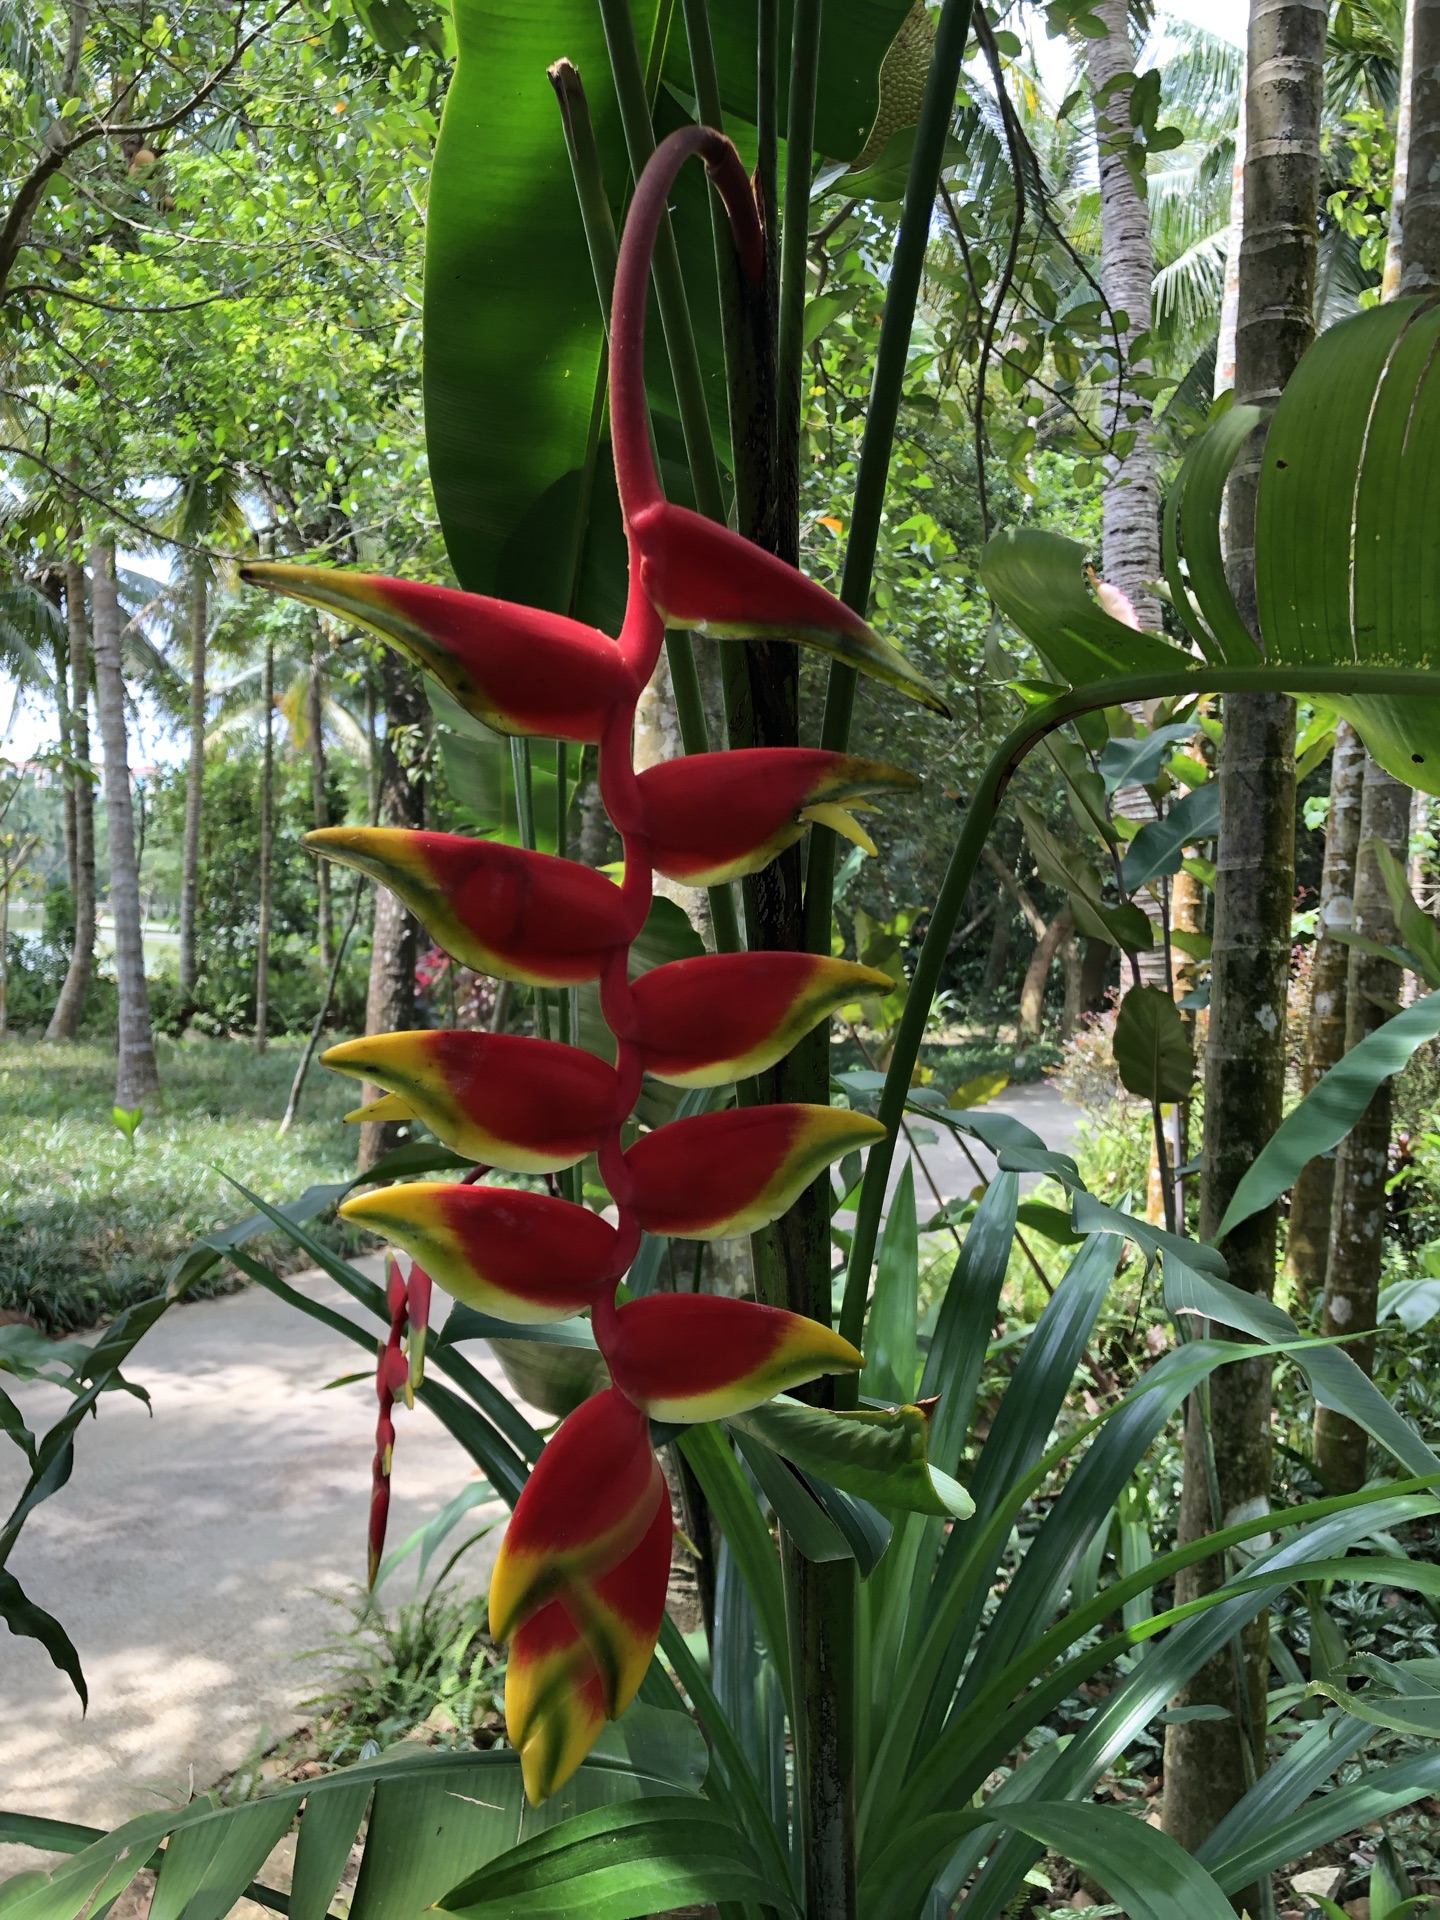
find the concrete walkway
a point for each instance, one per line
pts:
(196, 1553)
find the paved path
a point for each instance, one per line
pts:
(197, 1552)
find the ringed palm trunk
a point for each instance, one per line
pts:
(70, 1007)
(267, 849)
(1307, 1243)
(136, 1076)
(1208, 1762)
(194, 777)
(394, 947)
(1357, 1229)
(1131, 527)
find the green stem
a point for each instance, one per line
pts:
(680, 342)
(799, 143)
(980, 817)
(882, 414)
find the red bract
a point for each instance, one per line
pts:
(706, 1022)
(517, 915)
(516, 668)
(529, 1106)
(722, 1174)
(700, 1356)
(700, 575)
(579, 1586)
(717, 816)
(524, 1256)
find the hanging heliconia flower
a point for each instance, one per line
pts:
(579, 1586)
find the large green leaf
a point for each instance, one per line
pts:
(1330, 1109)
(619, 1862)
(513, 335)
(856, 38)
(436, 1818)
(1153, 1055)
(1346, 567)
(1037, 580)
(881, 1456)
(1194, 511)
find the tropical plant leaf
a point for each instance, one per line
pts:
(1121, 926)
(1160, 845)
(618, 1862)
(1334, 1378)
(1193, 513)
(1037, 580)
(890, 1324)
(1414, 1303)
(1137, 761)
(29, 1622)
(1417, 930)
(1153, 1055)
(1330, 1109)
(881, 1456)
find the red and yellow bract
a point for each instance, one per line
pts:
(501, 910)
(579, 1586)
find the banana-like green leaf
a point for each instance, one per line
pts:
(883, 1456)
(1037, 580)
(620, 1861)
(735, 1508)
(208, 1864)
(1404, 1698)
(1346, 566)
(1153, 1055)
(1160, 845)
(857, 39)
(513, 334)
(814, 1533)
(1330, 1109)
(1192, 515)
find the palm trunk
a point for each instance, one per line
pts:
(319, 796)
(1308, 1241)
(1208, 1762)
(1357, 1228)
(267, 849)
(136, 1077)
(1132, 502)
(394, 947)
(70, 1007)
(194, 778)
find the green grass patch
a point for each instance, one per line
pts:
(87, 1226)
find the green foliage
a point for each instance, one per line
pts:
(87, 1226)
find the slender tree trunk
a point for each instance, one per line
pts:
(997, 960)
(1308, 1241)
(1208, 1762)
(1132, 501)
(194, 777)
(70, 1007)
(657, 738)
(319, 796)
(1050, 945)
(1357, 1226)
(390, 1001)
(267, 848)
(55, 593)
(136, 1077)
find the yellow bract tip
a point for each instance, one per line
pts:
(390, 1106)
(826, 814)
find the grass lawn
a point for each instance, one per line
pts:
(87, 1226)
